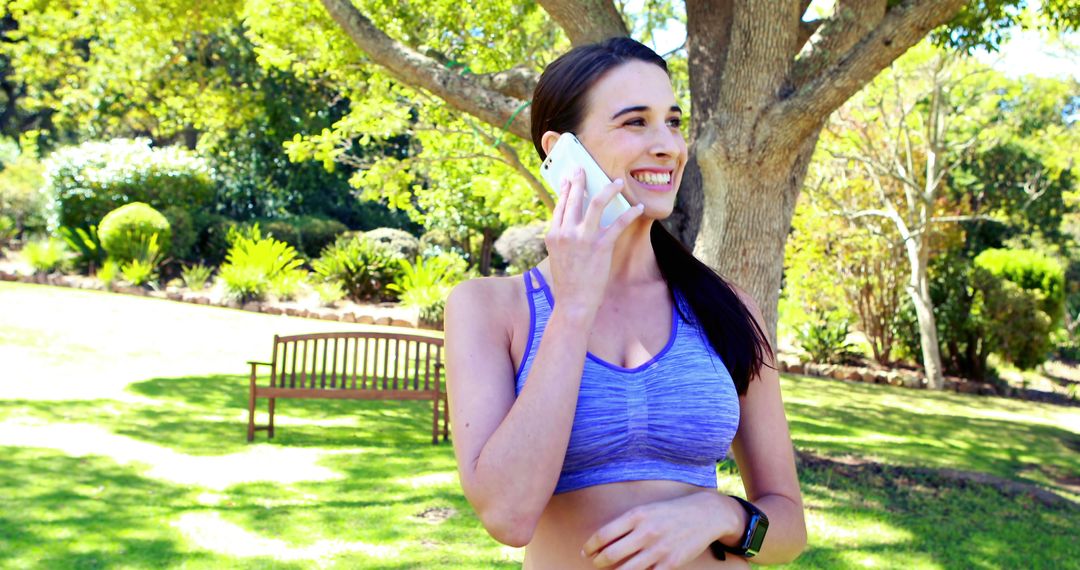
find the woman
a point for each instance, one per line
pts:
(592, 397)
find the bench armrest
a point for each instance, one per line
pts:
(253, 363)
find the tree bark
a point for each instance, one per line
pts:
(919, 290)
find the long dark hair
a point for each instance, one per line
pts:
(558, 104)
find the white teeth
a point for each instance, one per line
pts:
(653, 178)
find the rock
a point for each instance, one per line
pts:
(156, 294)
(295, 312)
(967, 388)
(796, 368)
(174, 296)
(386, 321)
(348, 318)
(252, 306)
(365, 319)
(402, 323)
(272, 310)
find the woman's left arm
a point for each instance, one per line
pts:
(668, 534)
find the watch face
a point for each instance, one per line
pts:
(757, 536)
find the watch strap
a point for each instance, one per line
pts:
(753, 536)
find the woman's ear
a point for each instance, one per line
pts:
(548, 141)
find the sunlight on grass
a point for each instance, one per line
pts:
(210, 532)
(259, 463)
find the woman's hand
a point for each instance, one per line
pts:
(660, 536)
(579, 249)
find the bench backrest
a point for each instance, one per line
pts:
(357, 361)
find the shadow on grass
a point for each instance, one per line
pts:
(67, 512)
(930, 429)
(893, 517)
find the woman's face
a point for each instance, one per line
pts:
(631, 128)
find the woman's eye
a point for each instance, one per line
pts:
(676, 122)
(636, 122)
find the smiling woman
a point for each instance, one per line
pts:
(592, 399)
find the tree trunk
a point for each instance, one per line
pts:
(919, 290)
(748, 206)
(487, 245)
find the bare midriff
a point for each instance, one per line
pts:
(571, 518)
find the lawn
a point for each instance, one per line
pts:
(122, 424)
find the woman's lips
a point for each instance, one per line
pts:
(655, 187)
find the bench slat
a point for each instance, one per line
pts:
(265, 392)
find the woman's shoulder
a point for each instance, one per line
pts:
(493, 298)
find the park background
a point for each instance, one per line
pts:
(283, 159)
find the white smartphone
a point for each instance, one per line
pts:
(568, 154)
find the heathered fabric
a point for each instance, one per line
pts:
(672, 418)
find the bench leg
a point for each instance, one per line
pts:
(251, 409)
(270, 429)
(446, 420)
(435, 422)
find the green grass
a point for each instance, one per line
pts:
(122, 445)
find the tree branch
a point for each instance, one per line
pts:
(850, 21)
(586, 21)
(902, 27)
(463, 92)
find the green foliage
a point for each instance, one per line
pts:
(108, 273)
(285, 286)
(142, 269)
(398, 243)
(253, 262)
(523, 246)
(89, 254)
(308, 234)
(125, 230)
(8, 231)
(213, 241)
(1031, 271)
(195, 276)
(87, 181)
(329, 292)
(426, 283)
(21, 198)
(824, 338)
(363, 268)
(45, 256)
(183, 226)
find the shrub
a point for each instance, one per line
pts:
(523, 246)
(253, 262)
(363, 268)
(125, 230)
(426, 283)
(308, 234)
(213, 241)
(89, 255)
(45, 256)
(142, 269)
(185, 232)
(285, 286)
(1032, 271)
(108, 273)
(87, 181)
(824, 338)
(21, 198)
(399, 243)
(329, 292)
(195, 276)
(8, 230)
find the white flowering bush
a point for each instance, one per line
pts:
(85, 182)
(523, 246)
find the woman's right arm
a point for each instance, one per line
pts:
(510, 451)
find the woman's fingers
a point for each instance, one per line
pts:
(560, 205)
(598, 203)
(573, 212)
(611, 233)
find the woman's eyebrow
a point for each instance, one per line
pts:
(674, 109)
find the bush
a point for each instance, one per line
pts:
(329, 292)
(142, 269)
(1032, 271)
(108, 273)
(21, 196)
(195, 276)
(363, 268)
(45, 256)
(426, 283)
(285, 286)
(213, 241)
(89, 255)
(308, 234)
(399, 243)
(87, 181)
(125, 231)
(185, 232)
(824, 338)
(253, 262)
(8, 230)
(523, 246)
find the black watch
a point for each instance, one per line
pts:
(756, 526)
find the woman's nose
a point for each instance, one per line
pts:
(666, 142)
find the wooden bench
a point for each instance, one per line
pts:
(352, 365)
